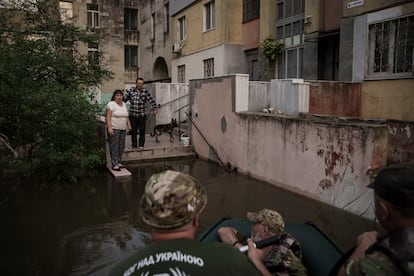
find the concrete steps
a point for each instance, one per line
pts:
(153, 150)
(134, 155)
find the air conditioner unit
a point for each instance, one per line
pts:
(176, 48)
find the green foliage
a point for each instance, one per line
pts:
(46, 116)
(271, 48)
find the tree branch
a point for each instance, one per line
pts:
(3, 140)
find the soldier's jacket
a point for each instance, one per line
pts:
(284, 257)
(392, 255)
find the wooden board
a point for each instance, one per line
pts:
(122, 172)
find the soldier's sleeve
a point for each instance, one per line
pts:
(294, 266)
(374, 264)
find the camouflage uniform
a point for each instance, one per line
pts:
(171, 200)
(284, 258)
(393, 255)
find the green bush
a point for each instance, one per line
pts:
(47, 119)
(272, 48)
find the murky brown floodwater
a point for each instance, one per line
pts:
(84, 229)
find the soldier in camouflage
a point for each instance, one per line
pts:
(282, 258)
(394, 208)
(171, 205)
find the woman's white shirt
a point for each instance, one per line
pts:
(119, 116)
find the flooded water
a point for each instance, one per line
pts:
(84, 229)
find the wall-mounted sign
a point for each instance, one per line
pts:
(355, 3)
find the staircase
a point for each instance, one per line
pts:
(162, 150)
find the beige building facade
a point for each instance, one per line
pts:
(207, 39)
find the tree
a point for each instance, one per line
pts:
(47, 124)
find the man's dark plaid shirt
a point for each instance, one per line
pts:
(137, 101)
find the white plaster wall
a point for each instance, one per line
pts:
(173, 98)
(323, 160)
(291, 96)
(259, 95)
(227, 60)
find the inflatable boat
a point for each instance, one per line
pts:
(320, 254)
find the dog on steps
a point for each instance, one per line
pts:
(167, 128)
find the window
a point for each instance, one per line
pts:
(93, 54)
(131, 19)
(131, 57)
(287, 8)
(182, 29)
(208, 67)
(181, 73)
(152, 31)
(290, 64)
(93, 15)
(290, 28)
(209, 16)
(166, 18)
(251, 9)
(391, 48)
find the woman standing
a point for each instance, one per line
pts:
(117, 122)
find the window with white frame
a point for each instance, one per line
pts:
(290, 29)
(391, 48)
(93, 15)
(209, 16)
(131, 56)
(182, 28)
(93, 54)
(131, 19)
(208, 67)
(181, 73)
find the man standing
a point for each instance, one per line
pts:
(171, 205)
(394, 208)
(137, 97)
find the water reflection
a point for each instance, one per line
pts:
(87, 228)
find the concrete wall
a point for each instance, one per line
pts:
(324, 159)
(173, 98)
(259, 96)
(291, 96)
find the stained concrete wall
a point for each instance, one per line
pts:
(323, 159)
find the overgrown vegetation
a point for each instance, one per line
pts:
(47, 122)
(271, 48)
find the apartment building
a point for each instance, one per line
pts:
(155, 43)
(136, 38)
(377, 50)
(207, 39)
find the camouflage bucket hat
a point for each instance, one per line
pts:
(171, 200)
(270, 218)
